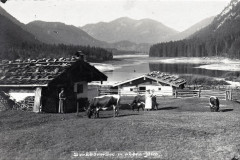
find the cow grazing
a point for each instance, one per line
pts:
(214, 104)
(138, 102)
(103, 103)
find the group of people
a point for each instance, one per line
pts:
(150, 100)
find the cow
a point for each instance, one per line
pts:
(102, 103)
(138, 102)
(214, 104)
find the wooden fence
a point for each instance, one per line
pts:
(107, 91)
(234, 95)
(221, 94)
(187, 93)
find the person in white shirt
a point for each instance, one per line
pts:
(148, 100)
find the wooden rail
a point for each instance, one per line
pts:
(187, 93)
(107, 91)
(221, 94)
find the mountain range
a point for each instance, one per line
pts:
(127, 29)
(123, 33)
(13, 32)
(191, 30)
(220, 38)
(225, 23)
(60, 33)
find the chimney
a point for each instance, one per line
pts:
(80, 56)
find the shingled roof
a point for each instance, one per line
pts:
(166, 78)
(159, 77)
(39, 72)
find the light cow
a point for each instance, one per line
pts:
(103, 103)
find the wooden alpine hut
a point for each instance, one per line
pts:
(162, 84)
(41, 80)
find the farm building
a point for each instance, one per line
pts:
(39, 82)
(161, 83)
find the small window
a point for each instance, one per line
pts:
(80, 88)
(142, 88)
(159, 89)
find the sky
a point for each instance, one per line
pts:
(177, 14)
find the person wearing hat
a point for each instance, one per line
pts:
(62, 99)
(148, 100)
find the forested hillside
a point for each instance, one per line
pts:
(220, 38)
(17, 43)
(28, 50)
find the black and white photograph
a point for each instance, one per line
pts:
(119, 79)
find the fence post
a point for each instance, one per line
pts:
(199, 93)
(230, 94)
(77, 108)
(175, 93)
(227, 96)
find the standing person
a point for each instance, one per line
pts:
(62, 99)
(154, 101)
(148, 100)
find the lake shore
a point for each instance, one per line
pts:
(125, 67)
(210, 63)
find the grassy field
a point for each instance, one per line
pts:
(180, 129)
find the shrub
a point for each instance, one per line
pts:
(202, 80)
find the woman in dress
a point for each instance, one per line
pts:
(148, 100)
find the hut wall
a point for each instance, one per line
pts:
(20, 94)
(71, 100)
(50, 100)
(158, 90)
(93, 91)
(81, 88)
(37, 100)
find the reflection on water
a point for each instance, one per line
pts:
(184, 68)
(137, 67)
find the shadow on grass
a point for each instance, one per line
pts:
(167, 108)
(226, 110)
(123, 115)
(237, 101)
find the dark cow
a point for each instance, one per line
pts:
(103, 103)
(214, 104)
(138, 102)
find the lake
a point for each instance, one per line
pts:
(127, 67)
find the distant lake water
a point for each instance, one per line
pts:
(127, 67)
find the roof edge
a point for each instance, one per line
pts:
(23, 85)
(127, 81)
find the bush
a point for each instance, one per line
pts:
(202, 80)
(232, 76)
